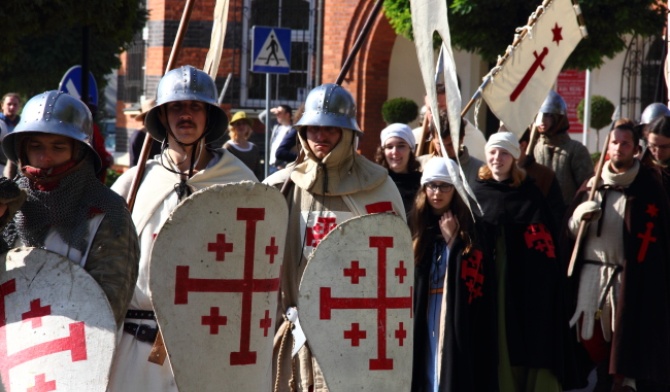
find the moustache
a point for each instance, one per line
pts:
(185, 122)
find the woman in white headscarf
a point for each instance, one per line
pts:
(453, 302)
(396, 153)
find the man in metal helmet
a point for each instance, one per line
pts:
(332, 184)
(568, 158)
(189, 123)
(67, 210)
(649, 114)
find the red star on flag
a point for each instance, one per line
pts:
(557, 34)
(652, 210)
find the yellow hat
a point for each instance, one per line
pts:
(240, 116)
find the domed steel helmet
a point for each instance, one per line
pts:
(554, 104)
(330, 105)
(56, 113)
(187, 84)
(652, 112)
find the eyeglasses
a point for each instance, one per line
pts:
(653, 146)
(444, 188)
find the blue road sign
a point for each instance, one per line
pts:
(271, 50)
(71, 84)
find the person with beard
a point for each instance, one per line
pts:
(189, 123)
(519, 230)
(454, 284)
(396, 154)
(622, 310)
(66, 209)
(568, 158)
(333, 183)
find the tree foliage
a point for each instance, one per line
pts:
(399, 110)
(487, 27)
(602, 110)
(43, 38)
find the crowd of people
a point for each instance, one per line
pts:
(524, 325)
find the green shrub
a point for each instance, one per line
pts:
(601, 112)
(399, 110)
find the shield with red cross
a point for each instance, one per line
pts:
(214, 278)
(355, 304)
(57, 330)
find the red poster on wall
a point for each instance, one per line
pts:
(571, 86)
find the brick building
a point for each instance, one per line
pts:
(323, 31)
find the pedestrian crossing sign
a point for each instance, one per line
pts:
(271, 49)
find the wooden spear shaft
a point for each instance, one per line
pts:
(148, 140)
(592, 194)
(345, 68)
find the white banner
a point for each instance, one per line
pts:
(523, 81)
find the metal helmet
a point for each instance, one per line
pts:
(56, 113)
(554, 104)
(330, 105)
(652, 112)
(187, 84)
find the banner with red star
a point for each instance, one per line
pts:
(524, 75)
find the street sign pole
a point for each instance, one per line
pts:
(271, 53)
(267, 124)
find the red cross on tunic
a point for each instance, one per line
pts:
(647, 239)
(214, 320)
(42, 385)
(221, 247)
(36, 312)
(322, 226)
(471, 273)
(355, 272)
(75, 342)
(247, 286)
(381, 304)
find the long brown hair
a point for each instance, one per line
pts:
(422, 219)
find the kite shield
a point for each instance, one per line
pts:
(214, 279)
(57, 330)
(356, 304)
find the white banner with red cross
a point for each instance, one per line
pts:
(355, 304)
(529, 68)
(57, 330)
(214, 279)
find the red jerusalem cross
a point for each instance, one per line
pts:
(75, 342)
(382, 303)
(221, 247)
(247, 285)
(646, 239)
(531, 71)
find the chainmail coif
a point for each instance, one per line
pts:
(67, 208)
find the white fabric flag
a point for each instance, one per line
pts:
(521, 83)
(218, 36)
(429, 16)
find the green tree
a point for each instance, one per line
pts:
(602, 111)
(41, 39)
(487, 27)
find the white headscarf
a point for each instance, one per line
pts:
(402, 131)
(505, 140)
(436, 170)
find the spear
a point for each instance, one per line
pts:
(146, 147)
(345, 68)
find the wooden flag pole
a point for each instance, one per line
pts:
(148, 140)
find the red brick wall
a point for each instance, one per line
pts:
(367, 80)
